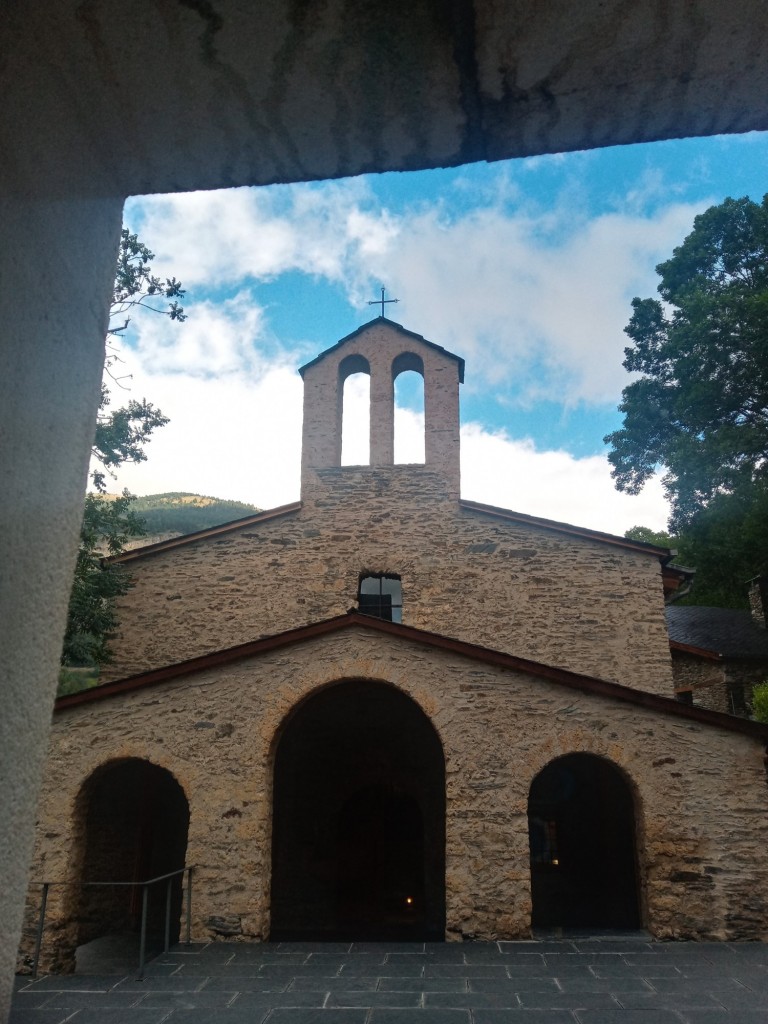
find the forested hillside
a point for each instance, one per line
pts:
(180, 512)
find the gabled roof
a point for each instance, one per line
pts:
(726, 632)
(504, 514)
(210, 531)
(436, 641)
(400, 329)
(665, 554)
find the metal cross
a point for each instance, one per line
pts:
(382, 301)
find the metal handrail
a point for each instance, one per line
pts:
(144, 899)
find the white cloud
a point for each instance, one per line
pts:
(214, 238)
(500, 470)
(531, 306)
(535, 298)
(232, 437)
(217, 338)
(235, 415)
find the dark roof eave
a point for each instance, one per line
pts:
(563, 677)
(665, 554)
(699, 652)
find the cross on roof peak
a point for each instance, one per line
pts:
(382, 301)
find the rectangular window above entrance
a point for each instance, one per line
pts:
(381, 596)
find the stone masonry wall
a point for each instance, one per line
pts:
(757, 600)
(700, 793)
(718, 685)
(562, 600)
(704, 677)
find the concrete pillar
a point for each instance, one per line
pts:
(57, 264)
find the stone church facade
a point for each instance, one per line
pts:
(388, 712)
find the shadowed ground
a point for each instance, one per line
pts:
(589, 980)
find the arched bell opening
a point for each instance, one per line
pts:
(354, 418)
(358, 850)
(409, 413)
(581, 821)
(135, 821)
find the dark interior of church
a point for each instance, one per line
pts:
(358, 849)
(582, 838)
(136, 820)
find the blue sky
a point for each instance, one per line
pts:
(526, 268)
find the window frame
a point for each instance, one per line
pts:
(378, 608)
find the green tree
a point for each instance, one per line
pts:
(121, 436)
(700, 405)
(107, 524)
(760, 702)
(726, 543)
(648, 536)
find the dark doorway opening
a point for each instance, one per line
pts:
(358, 848)
(581, 825)
(136, 820)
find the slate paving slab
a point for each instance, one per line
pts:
(36, 1016)
(420, 1017)
(135, 1015)
(584, 980)
(331, 1016)
(226, 1016)
(422, 984)
(92, 1000)
(724, 1017)
(523, 1017)
(628, 1017)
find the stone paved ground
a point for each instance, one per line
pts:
(627, 980)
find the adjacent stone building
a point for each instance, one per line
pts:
(720, 654)
(385, 711)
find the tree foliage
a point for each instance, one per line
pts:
(107, 525)
(700, 405)
(122, 433)
(649, 536)
(121, 436)
(760, 702)
(726, 543)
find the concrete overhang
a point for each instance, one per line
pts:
(106, 98)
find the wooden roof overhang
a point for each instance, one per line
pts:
(699, 652)
(436, 641)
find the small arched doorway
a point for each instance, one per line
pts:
(581, 824)
(358, 842)
(135, 820)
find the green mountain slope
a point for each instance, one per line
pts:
(180, 512)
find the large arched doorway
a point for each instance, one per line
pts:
(358, 848)
(581, 824)
(135, 819)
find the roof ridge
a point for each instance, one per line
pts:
(398, 327)
(578, 531)
(564, 677)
